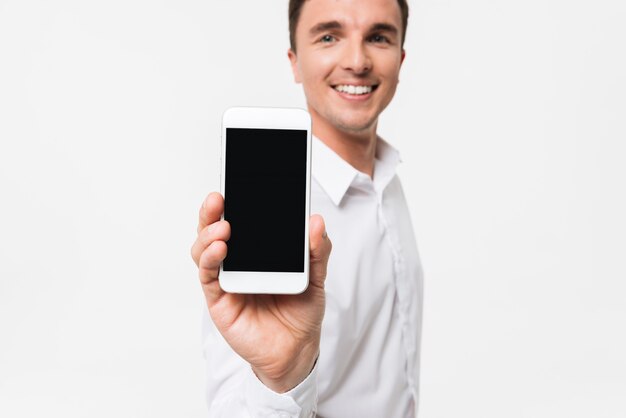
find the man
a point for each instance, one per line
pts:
(349, 345)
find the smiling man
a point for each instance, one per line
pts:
(349, 345)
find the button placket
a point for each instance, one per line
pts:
(401, 288)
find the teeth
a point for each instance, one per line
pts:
(346, 88)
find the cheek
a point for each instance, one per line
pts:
(315, 68)
(389, 65)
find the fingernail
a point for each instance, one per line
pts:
(324, 235)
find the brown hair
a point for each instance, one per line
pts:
(295, 7)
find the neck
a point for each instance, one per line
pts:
(357, 148)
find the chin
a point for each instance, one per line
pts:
(354, 125)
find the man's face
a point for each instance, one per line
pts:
(348, 58)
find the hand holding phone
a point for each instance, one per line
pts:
(261, 258)
(278, 335)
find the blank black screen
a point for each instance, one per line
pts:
(265, 199)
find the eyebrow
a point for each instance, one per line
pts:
(324, 26)
(334, 25)
(384, 27)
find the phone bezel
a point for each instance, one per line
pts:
(252, 282)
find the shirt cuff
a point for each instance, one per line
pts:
(299, 402)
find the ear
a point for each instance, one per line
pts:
(293, 59)
(403, 56)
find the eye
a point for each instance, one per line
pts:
(327, 39)
(378, 38)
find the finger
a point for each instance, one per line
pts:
(217, 231)
(208, 271)
(211, 210)
(320, 248)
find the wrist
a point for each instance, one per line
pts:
(282, 380)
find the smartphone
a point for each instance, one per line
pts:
(266, 184)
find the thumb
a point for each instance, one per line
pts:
(320, 247)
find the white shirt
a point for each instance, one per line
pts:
(370, 343)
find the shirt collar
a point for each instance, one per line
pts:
(335, 175)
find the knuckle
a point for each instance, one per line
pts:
(192, 251)
(213, 254)
(205, 259)
(206, 235)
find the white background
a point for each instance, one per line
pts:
(510, 117)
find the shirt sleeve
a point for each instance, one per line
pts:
(234, 391)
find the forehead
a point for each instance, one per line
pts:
(360, 14)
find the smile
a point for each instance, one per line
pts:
(355, 90)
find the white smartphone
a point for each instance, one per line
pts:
(266, 184)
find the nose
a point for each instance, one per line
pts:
(356, 57)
